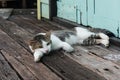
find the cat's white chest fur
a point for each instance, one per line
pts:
(56, 42)
(73, 39)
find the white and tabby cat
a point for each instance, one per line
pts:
(43, 43)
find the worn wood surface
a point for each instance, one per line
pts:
(66, 72)
(103, 67)
(22, 60)
(6, 72)
(86, 63)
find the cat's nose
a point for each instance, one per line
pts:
(47, 51)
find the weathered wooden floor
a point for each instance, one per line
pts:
(16, 60)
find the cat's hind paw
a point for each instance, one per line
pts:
(103, 36)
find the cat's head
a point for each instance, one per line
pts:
(40, 44)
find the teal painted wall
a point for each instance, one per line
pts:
(72, 10)
(96, 13)
(45, 8)
(104, 14)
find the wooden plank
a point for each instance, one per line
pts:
(6, 71)
(15, 30)
(30, 12)
(112, 53)
(70, 68)
(19, 19)
(105, 68)
(66, 23)
(59, 26)
(19, 67)
(21, 56)
(115, 41)
(33, 23)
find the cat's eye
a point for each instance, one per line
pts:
(40, 46)
(48, 42)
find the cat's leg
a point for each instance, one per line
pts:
(103, 42)
(104, 39)
(103, 36)
(67, 47)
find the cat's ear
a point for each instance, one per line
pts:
(32, 42)
(48, 34)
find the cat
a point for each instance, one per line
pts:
(43, 43)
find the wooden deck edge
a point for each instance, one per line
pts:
(115, 41)
(65, 22)
(69, 24)
(32, 12)
(5, 68)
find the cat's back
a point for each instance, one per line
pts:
(62, 34)
(65, 32)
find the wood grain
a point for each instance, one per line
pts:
(6, 71)
(21, 59)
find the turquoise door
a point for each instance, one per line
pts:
(73, 10)
(66, 9)
(45, 9)
(104, 14)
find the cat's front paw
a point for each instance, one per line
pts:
(71, 49)
(37, 56)
(68, 49)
